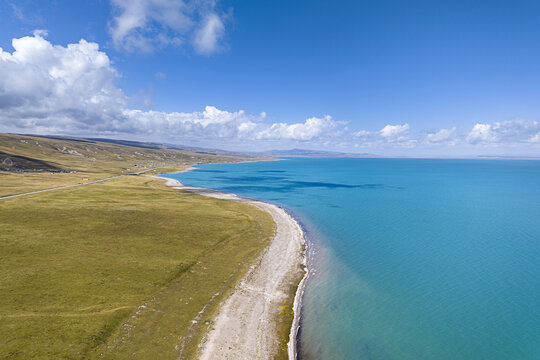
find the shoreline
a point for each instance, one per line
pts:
(239, 314)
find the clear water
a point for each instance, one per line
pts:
(412, 259)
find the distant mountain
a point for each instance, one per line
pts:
(525, 157)
(311, 153)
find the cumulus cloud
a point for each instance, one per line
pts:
(394, 133)
(72, 90)
(312, 128)
(508, 132)
(145, 25)
(498, 134)
(389, 133)
(388, 136)
(443, 135)
(481, 133)
(74, 85)
(210, 123)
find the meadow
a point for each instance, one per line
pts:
(124, 269)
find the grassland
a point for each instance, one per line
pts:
(32, 163)
(124, 269)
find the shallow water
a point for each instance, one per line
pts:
(412, 259)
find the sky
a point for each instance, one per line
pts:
(399, 78)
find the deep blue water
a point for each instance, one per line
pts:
(412, 259)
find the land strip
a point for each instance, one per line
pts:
(155, 255)
(127, 268)
(250, 322)
(61, 187)
(72, 186)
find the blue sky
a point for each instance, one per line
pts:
(386, 77)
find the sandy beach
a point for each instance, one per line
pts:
(245, 327)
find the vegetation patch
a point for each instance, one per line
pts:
(126, 268)
(120, 269)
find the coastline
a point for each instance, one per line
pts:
(246, 326)
(292, 345)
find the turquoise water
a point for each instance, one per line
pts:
(412, 259)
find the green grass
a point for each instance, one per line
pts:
(29, 163)
(94, 156)
(77, 264)
(124, 269)
(12, 183)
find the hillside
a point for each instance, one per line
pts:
(51, 161)
(51, 153)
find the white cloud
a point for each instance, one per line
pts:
(208, 35)
(389, 136)
(312, 128)
(72, 90)
(535, 138)
(210, 123)
(507, 132)
(481, 133)
(145, 25)
(394, 132)
(362, 134)
(443, 135)
(72, 87)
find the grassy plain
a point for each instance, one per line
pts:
(34, 162)
(124, 269)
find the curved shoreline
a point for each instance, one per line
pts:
(292, 345)
(245, 327)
